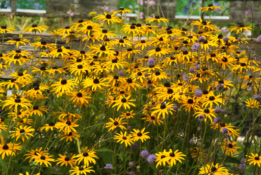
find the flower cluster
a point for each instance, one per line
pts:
(92, 103)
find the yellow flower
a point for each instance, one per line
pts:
(8, 149)
(254, 159)
(115, 123)
(22, 131)
(124, 102)
(123, 138)
(213, 169)
(210, 7)
(251, 103)
(81, 170)
(36, 28)
(87, 157)
(140, 135)
(43, 158)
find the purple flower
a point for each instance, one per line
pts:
(131, 164)
(144, 153)
(197, 67)
(223, 111)
(191, 70)
(247, 12)
(257, 23)
(224, 131)
(151, 158)
(259, 39)
(242, 167)
(216, 120)
(198, 92)
(121, 73)
(195, 46)
(151, 62)
(37, 5)
(217, 110)
(243, 161)
(257, 96)
(108, 166)
(175, 107)
(131, 173)
(185, 77)
(225, 39)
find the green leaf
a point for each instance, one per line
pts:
(3, 165)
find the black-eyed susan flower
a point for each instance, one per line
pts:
(80, 98)
(94, 83)
(81, 170)
(23, 132)
(43, 158)
(49, 126)
(108, 18)
(17, 102)
(67, 125)
(115, 123)
(124, 102)
(207, 113)
(63, 86)
(65, 160)
(140, 135)
(229, 147)
(210, 7)
(156, 18)
(214, 169)
(162, 109)
(70, 136)
(88, 156)
(36, 28)
(18, 41)
(174, 157)
(5, 29)
(252, 103)
(162, 158)
(240, 28)
(254, 159)
(123, 138)
(8, 149)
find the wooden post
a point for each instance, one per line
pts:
(202, 5)
(13, 6)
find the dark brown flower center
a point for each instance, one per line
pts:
(5, 147)
(190, 101)
(63, 82)
(85, 154)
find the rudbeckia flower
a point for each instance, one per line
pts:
(123, 138)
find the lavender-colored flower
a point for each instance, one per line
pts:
(144, 153)
(37, 5)
(151, 158)
(131, 173)
(217, 110)
(201, 118)
(216, 120)
(257, 24)
(185, 77)
(191, 70)
(151, 62)
(243, 161)
(247, 12)
(197, 67)
(140, 2)
(242, 167)
(175, 107)
(131, 164)
(121, 73)
(198, 92)
(134, 145)
(223, 111)
(225, 39)
(201, 38)
(249, 89)
(257, 96)
(108, 166)
(224, 131)
(195, 64)
(225, 30)
(259, 39)
(195, 46)
(151, 3)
